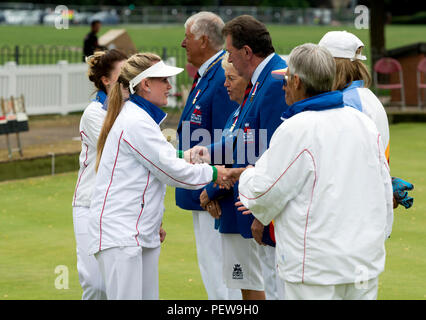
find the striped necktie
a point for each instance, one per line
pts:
(246, 93)
(194, 84)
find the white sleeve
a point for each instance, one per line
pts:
(387, 181)
(92, 121)
(374, 109)
(279, 175)
(159, 156)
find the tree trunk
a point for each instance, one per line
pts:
(377, 30)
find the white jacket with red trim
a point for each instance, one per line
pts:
(363, 99)
(325, 181)
(90, 127)
(137, 162)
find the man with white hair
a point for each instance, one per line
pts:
(325, 181)
(207, 108)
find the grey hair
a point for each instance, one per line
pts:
(209, 24)
(315, 67)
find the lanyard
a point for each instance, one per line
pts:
(235, 121)
(242, 105)
(213, 63)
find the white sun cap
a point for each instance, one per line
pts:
(157, 70)
(342, 44)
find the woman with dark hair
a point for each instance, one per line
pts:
(104, 68)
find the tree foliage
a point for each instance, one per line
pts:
(274, 3)
(392, 6)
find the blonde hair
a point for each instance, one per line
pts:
(348, 71)
(136, 64)
(225, 63)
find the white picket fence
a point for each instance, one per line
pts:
(59, 89)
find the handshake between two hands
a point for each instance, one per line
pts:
(226, 177)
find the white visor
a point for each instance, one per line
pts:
(157, 70)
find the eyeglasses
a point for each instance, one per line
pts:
(285, 80)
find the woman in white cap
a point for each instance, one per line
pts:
(104, 69)
(353, 79)
(134, 164)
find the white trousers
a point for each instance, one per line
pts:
(273, 283)
(209, 255)
(350, 291)
(130, 273)
(89, 274)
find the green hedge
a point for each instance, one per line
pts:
(39, 166)
(399, 117)
(418, 18)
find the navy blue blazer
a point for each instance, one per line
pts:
(207, 108)
(257, 121)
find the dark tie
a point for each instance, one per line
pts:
(246, 94)
(194, 84)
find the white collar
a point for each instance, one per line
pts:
(260, 68)
(206, 64)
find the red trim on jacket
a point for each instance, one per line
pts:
(85, 166)
(106, 194)
(310, 202)
(189, 184)
(143, 206)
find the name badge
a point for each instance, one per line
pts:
(197, 115)
(248, 134)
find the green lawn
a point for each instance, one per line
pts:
(285, 37)
(156, 38)
(36, 235)
(405, 275)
